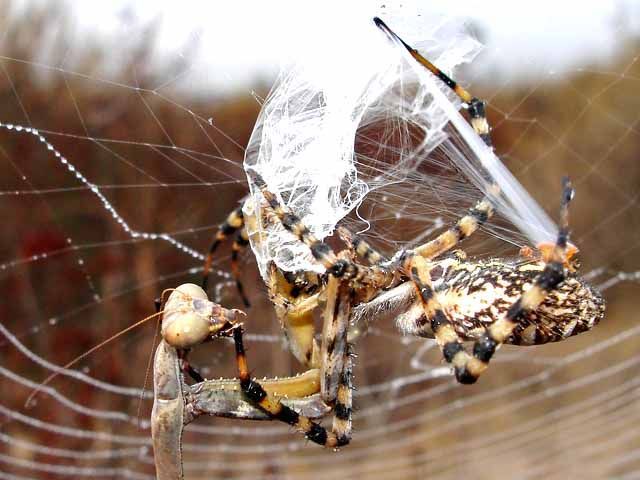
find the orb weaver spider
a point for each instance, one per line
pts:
(440, 293)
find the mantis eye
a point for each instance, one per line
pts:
(182, 326)
(186, 330)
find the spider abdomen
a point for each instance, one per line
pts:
(476, 294)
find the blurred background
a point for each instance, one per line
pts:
(150, 105)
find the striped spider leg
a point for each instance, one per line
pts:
(474, 105)
(234, 223)
(337, 358)
(483, 210)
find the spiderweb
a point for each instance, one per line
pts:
(114, 179)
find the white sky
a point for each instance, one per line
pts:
(239, 40)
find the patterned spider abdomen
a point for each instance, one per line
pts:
(476, 294)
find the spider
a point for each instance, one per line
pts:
(441, 294)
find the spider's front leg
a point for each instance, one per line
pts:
(233, 224)
(467, 368)
(474, 105)
(269, 403)
(334, 350)
(483, 209)
(336, 266)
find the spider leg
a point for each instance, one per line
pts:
(465, 227)
(467, 368)
(336, 355)
(551, 276)
(483, 210)
(361, 248)
(233, 223)
(337, 267)
(187, 368)
(271, 404)
(474, 105)
(343, 408)
(334, 337)
(239, 244)
(321, 251)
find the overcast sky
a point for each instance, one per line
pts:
(239, 40)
